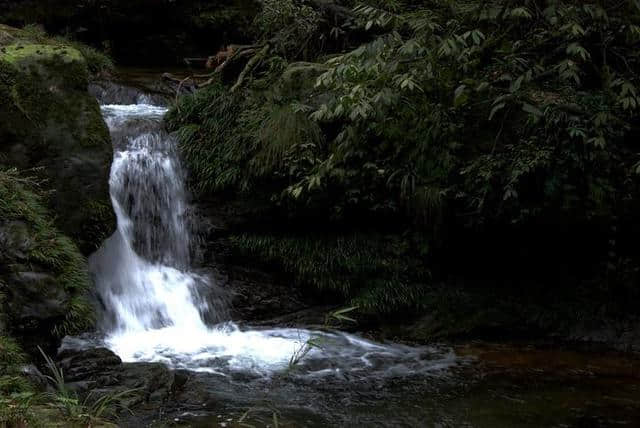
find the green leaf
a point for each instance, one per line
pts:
(515, 86)
(460, 96)
(598, 142)
(297, 192)
(521, 12)
(496, 109)
(482, 86)
(532, 110)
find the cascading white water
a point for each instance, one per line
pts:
(153, 304)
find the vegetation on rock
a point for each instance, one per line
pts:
(49, 120)
(31, 245)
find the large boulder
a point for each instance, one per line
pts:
(49, 121)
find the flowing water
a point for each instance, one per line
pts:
(157, 306)
(157, 309)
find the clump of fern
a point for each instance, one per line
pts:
(234, 143)
(377, 273)
(11, 357)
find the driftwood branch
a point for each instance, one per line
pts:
(239, 52)
(211, 77)
(256, 52)
(250, 65)
(179, 85)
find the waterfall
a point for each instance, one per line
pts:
(153, 302)
(142, 271)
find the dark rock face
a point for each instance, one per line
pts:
(130, 92)
(142, 32)
(41, 300)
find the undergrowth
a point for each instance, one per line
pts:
(378, 274)
(46, 246)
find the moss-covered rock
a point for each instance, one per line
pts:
(49, 121)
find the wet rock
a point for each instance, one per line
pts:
(34, 376)
(145, 89)
(15, 239)
(89, 365)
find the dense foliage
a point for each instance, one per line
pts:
(433, 121)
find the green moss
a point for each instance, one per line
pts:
(47, 94)
(19, 52)
(34, 36)
(46, 82)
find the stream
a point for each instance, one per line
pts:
(158, 307)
